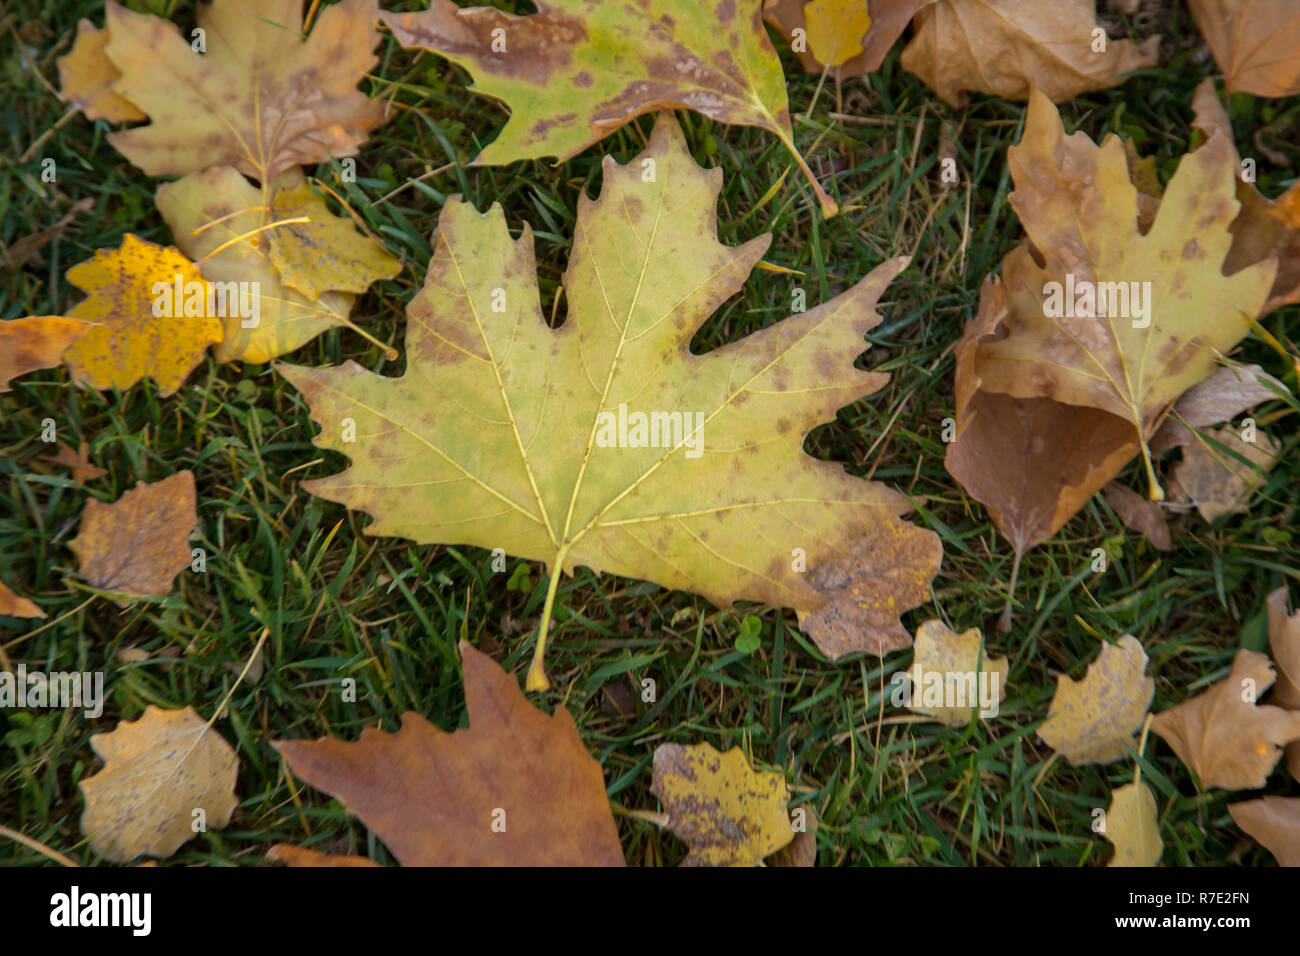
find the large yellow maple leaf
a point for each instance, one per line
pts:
(607, 443)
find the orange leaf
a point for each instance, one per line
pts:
(515, 788)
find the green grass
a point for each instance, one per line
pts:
(888, 790)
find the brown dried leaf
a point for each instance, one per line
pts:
(1255, 42)
(1214, 481)
(27, 249)
(38, 341)
(726, 812)
(11, 605)
(1139, 513)
(1284, 643)
(1007, 47)
(1033, 462)
(79, 461)
(869, 587)
(1220, 398)
(138, 544)
(1226, 738)
(1274, 822)
(157, 771)
(433, 797)
(292, 855)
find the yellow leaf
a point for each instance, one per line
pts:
(574, 72)
(948, 678)
(326, 253)
(836, 29)
(37, 341)
(1091, 721)
(725, 811)
(86, 77)
(1132, 826)
(503, 432)
(158, 771)
(261, 98)
(218, 207)
(134, 336)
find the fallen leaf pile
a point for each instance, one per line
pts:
(1055, 392)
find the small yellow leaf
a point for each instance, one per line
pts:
(86, 77)
(135, 337)
(1091, 721)
(327, 253)
(1132, 826)
(836, 29)
(728, 814)
(37, 341)
(949, 680)
(158, 772)
(209, 209)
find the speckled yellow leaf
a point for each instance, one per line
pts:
(86, 76)
(158, 771)
(326, 253)
(138, 544)
(1228, 739)
(210, 209)
(576, 70)
(1092, 720)
(13, 605)
(948, 679)
(836, 29)
(260, 98)
(503, 432)
(1173, 310)
(37, 341)
(1132, 826)
(133, 337)
(726, 812)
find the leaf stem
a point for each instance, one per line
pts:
(536, 679)
(1156, 493)
(829, 207)
(1004, 622)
